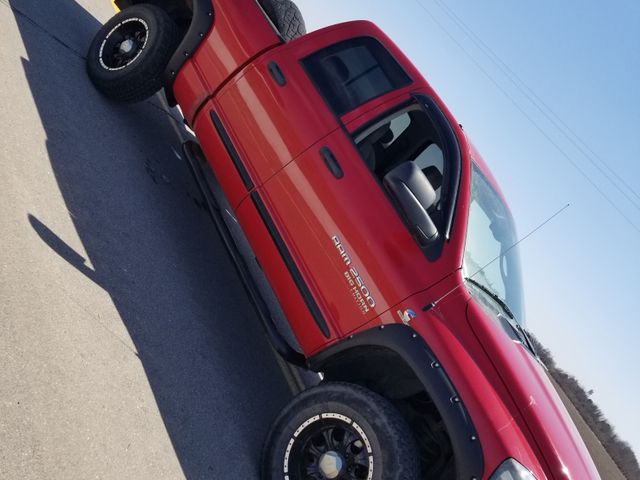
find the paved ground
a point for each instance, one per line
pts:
(127, 347)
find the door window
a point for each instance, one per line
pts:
(353, 72)
(406, 135)
(413, 134)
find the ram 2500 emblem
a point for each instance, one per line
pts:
(359, 290)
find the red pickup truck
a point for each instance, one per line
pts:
(382, 234)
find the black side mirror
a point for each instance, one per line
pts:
(414, 195)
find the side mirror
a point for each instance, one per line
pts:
(414, 195)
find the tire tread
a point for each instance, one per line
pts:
(287, 18)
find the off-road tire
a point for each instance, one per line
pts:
(392, 446)
(143, 77)
(287, 18)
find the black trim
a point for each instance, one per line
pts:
(291, 265)
(452, 153)
(231, 150)
(420, 358)
(201, 24)
(195, 160)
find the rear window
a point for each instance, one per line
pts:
(350, 73)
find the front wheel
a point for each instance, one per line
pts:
(128, 55)
(340, 431)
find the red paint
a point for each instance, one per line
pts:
(262, 111)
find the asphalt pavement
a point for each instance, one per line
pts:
(128, 348)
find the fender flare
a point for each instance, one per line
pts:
(201, 25)
(407, 344)
(199, 28)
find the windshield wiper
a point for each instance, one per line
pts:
(515, 325)
(493, 295)
(527, 339)
(521, 333)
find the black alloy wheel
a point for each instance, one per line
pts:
(331, 447)
(123, 44)
(129, 54)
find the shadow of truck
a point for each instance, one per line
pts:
(152, 249)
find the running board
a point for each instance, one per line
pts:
(195, 160)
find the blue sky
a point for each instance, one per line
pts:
(581, 57)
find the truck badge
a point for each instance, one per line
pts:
(359, 291)
(407, 316)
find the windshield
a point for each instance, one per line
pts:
(491, 260)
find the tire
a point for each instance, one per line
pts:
(134, 75)
(287, 18)
(340, 430)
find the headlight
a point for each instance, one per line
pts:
(512, 470)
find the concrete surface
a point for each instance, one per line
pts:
(127, 346)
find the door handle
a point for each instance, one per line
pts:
(331, 162)
(277, 74)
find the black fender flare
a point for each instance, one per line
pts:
(201, 25)
(407, 344)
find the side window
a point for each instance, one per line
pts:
(407, 135)
(350, 73)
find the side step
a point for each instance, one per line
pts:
(195, 159)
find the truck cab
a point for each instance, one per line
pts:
(360, 110)
(385, 240)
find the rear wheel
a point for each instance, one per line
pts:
(286, 17)
(340, 431)
(129, 53)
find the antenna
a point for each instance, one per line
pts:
(436, 302)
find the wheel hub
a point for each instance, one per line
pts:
(330, 465)
(330, 447)
(126, 46)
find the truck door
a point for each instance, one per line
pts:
(272, 109)
(351, 245)
(344, 233)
